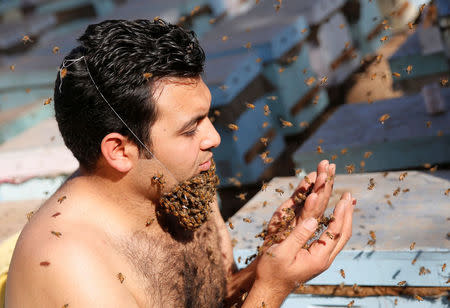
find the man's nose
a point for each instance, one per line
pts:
(212, 139)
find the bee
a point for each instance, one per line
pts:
(367, 154)
(418, 298)
(371, 184)
(395, 302)
(307, 180)
(44, 263)
(379, 57)
(248, 45)
(28, 90)
(305, 71)
(280, 191)
(333, 157)
(447, 192)
(433, 169)
(264, 155)
(373, 76)
(395, 74)
(304, 124)
(272, 98)
(320, 141)
(247, 220)
(230, 224)
(316, 100)
(264, 140)
(47, 101)
(65, 306)
(264, 205)
(383, 118)
(158, 180)
(149, 221)
(440, 133)
(347, 45)
(224, 38)
(428, 124)
(217, 113)
(281, 69)
(26, 39)
(319, 149)
(323, 80)
(291, 186)
(414, 261)
(239, 259)
(60, 200)
(266, 110)
(341, 26)
(401, 283)
(384, 38)
(372, 234)
(344, 151)
(223, 87)
(350, 168)
(251, 106)
(422, 7)
(402, 176)
(444, 82)
(310, 81)
(233, 127)
(241, 196)
(424, 271)
(389, 202)
(395, 193)
(268, 160)
(409, 69)
(444, 266)
(234, 181)
(299, 170)
(56, 214)
(258, 60)
(265, 124)
(405, 190)
(55, 233)
(63, 72)
(234, 242)
(12, 67)
(342, 273)
(286, 123)
(121, 277)
(264, 186)
(304, 30)
(349, 305)
(385, 174)
(244, 296)
(55, 49)
(147, 76)
(29, 215)
(362, 164)
(212, 21)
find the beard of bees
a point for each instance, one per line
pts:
(188, 204)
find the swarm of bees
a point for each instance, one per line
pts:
(189, 202)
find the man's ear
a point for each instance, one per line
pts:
(119, 152)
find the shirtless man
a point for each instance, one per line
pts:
(133, 109)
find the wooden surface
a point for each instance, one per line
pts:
(420, 215)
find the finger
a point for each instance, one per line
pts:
(305, 183)
(326, 243)
(346, 230)
(323, 166)
(298, 237)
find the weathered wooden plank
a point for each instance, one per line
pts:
(403, 141)
(418, 215)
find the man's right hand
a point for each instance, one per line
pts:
(287, 264)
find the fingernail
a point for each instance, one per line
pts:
(310, 224)
(354, 202)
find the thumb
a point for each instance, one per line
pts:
(299, 236)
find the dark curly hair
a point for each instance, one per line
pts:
(118, 54)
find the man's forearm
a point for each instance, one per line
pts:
(239, 283)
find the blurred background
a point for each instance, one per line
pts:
(362, 83)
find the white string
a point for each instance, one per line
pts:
(72, 61)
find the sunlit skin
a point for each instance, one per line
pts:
(117, 198)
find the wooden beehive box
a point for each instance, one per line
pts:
(418, 213)
(403, 141)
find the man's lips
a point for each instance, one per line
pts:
(205, 165)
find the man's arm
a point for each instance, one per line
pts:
(63, 274)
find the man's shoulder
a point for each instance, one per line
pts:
(54, 266)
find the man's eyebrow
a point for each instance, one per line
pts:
(192, 122)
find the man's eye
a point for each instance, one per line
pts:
(191, 132)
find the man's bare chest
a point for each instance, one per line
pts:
(168, 272)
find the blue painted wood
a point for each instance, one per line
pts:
(36, 188)
(102, 7)
(443, 8)
(228, 76)
(418, 215)
(369, 11)
(423, 65)
(18, 98)
(403, 141)
(230, 155)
